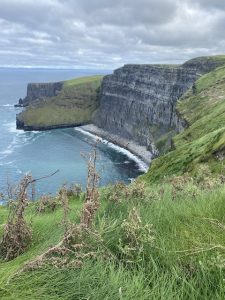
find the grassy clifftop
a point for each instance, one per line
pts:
(74, 104)
(203, 142)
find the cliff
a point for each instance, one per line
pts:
(40, 91)
(161, 237)
(138, 102)
(58, 105)
(201, 146)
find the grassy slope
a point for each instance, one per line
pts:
(47, 232)
(164, 271)
(204, 140)
(75, 104)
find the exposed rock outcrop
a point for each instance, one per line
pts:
(40, 91)
(138, 101)
(204, 64)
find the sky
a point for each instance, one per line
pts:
(106, 34)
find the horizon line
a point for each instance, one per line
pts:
(54, 68)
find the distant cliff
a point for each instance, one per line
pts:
(40, 91)
(138, 102)
(59, 105)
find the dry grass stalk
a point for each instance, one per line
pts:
(17, 233)
(33, 191)
(63, 198)
(10, 189)
(91, 204)
(47, 203)
(136, 237)
(75, 245)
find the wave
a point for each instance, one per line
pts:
(11, 127)
(7, 163)
(20, 138)
(141, 164)
(7, 151)
(8, 105)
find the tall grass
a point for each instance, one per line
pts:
(186, 260)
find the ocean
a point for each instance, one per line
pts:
(42, 153)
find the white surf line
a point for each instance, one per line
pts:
(20, 139)
(142, 165)
(11, 127)
(8, 105)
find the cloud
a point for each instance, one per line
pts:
(108, 34)
(206, 4)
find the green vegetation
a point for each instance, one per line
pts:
(158, 242)
(162, 237)
(75, 104)
(83, 80)
(217, 57)
(162, 137)
(204, 140)
(46, 232)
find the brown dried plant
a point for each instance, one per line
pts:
(91, 203)
(63, 199)
(47, 203)
(74, 190)
(121, 192)
(17, 233)
(136, 237)
(10, 188)
(79, 241)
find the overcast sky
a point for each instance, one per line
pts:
(108, 33)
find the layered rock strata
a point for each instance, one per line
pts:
(138, 102)
(40, 91)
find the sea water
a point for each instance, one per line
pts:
(42, 153)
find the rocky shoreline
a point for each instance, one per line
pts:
(138, 150)
(21, 126)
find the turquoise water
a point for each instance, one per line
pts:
(42, 153)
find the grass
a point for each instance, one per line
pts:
(205, 59)
(158, 238)
(54, 115)
(204, 140)
(82, 80)
(217, 57)
(170, 269)
(47, 231)
(75, 104)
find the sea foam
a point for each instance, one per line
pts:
(141, 164)
(8, 105)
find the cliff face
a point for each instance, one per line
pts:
(39, 91)
(59, 105)
(138, 101)
(204, 64)
(201, 146)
